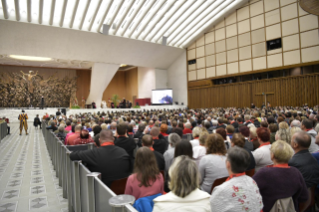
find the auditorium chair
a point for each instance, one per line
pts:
(218, 182)
(250, 172)
(310, 203)
(118, 186)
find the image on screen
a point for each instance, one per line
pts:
(162, 97)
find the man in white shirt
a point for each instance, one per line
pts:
(262, 153)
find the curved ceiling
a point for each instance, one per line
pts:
(181, 21)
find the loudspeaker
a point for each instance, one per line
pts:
(63, 110)
(106, 28)
(164, 41)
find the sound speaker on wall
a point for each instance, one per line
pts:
(106, 28)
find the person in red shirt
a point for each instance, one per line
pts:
(187, 128)
(84, 138)
(71, 138)
(8, 126)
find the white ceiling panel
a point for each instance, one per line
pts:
(181, 21)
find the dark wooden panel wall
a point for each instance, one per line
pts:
(288, 91)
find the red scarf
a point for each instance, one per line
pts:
(264, 144)
(283, 165)
(108, 143)
(235, 175)
(151, 148)
(155, 138)
(308, 130)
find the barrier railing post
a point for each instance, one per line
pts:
(60, 161)
(91, 188)
(64, 170)
(69, 181)
(77, 188)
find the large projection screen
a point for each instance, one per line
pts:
(162, 97)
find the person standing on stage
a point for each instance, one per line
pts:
(23, 117)
(42, 103)
(58, 113)
(123, 103)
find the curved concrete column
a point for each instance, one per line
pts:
(101, 76)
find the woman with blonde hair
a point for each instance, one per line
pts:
(196, 132)
(184, 194)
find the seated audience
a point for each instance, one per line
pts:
(273, 129)
(292, 131)
(68, 126)
(184, 195)
(97, 129)
(160, 143)
(245, 132)
(69, 134)
(307, 126)
(146, 179)
(148, 142)
(282, 134)
(213, 165)
(221, 123)
(111, 161)
(262, 153)
(187, 128)
(130, 131)
(281, 181)
(303, 160)
(61, 134)
(124, 141)
(253, 137)
(178, 131)
(240, 192)
(222, 132)
(200, 151)
(239, 141)
(196, 132)
(71, 138)
(84, 138)
(183, 148)
(230, 130)
(139, 134)
(163, 130)
(173, 140)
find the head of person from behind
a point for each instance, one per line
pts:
(106, 136)
(183, 168)
(238, 160)
(300, 141)
(145, 167)
(280, 152)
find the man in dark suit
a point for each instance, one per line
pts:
(58, 113)
(124, 141)
(111, 161)
(303, 160)
(139, 134)
(147, 141)
(220, 124)
(160, 143)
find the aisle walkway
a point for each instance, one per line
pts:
(27, 178)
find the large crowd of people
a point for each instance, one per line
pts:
(172, 159)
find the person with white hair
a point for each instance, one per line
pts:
(295, 123)
(196, 132)
(173, 140)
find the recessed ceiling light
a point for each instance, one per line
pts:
(19, 57)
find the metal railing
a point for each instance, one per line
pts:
(84, 189)
(3, 130)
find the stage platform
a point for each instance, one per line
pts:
(13, 113)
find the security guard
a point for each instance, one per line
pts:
(23, 117)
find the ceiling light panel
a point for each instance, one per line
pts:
(11, 10)
(225, 8)
(68, 13)
(99, 17)
(90, 14)
(46, 11)
(79, 14)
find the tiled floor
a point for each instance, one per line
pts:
(27, 178)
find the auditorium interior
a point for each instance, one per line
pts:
(121, 105)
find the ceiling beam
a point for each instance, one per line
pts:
(142, 17)
(65, 3)
(84, 14)
(95, 13)
(145, 24)
(29, 10)
(185, 21)
(52, 12)
(173, 21)
(74, 13)
(123, 17)
(17, 9)
(168, 18)
(104, 16)
(5, 9)
(132, 18)
(115, 14)
(158, 19)
(197, 25)
(41, 11)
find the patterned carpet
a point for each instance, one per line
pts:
(27, 178)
